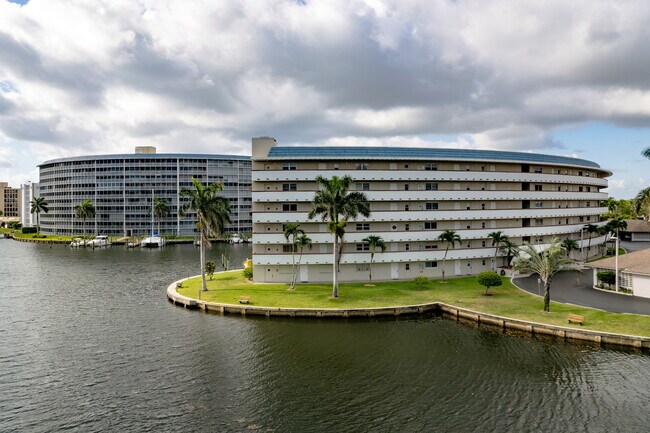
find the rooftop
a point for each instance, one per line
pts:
(637, 226)
(146, 156)
(637, 262)
(367, 152)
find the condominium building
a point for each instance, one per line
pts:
(9, 201)
(28, 192)
(121, 188)
(415, 194)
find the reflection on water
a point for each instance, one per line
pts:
(89, 343)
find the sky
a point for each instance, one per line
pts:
(81, 77)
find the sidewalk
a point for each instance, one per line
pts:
(576, 288)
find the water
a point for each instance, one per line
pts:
(89, 343)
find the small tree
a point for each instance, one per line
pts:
(374, 242)
(38, 205)
(497, 240)
(302, 241)
(569, 245)
(210, 267)
(489, 279)
(291, 233)
(248, 269)
(451, 238)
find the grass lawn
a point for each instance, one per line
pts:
(17, 234)
(506, 300)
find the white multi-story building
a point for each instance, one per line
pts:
(415, 194)
(28, 192)
(121, 188)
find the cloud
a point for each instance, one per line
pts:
(103, 76)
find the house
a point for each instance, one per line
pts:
(633, 269)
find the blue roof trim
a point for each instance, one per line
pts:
(315, 152)
(147, 156)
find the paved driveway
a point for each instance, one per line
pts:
(634, 246)
(576, 288)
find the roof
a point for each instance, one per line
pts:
(637, 262)
(146, 156)
(637, 226)
(356, 152)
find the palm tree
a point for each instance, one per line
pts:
(545, 264)
(212, 212)
(569, 245)
(591, 229)
(497, 240)
(642, 203)
(510, 249)
(302, 242)
(38, 205)
(646, 152)
(611, 204)
(83, 211)
(374, 242)
(291, 232)
(451, 237)
(336, 206)
(160, 210)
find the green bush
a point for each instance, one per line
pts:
(14, 225)
(606, 277)
(248, 269)
(210, 267)
(489, 279)
(422, 281)
(28, 230)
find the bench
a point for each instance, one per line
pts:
(244, 299)
(576, 318)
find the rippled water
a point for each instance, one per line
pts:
(88, 342)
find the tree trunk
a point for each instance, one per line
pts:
(494, 262)
(547, 295)
(335, 271)
(370, 268)
(204, 288)
(444, 260)
(295, 278)
(293, 262)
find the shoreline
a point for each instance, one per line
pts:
(439, 308)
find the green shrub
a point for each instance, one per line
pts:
(248, 269)
(489, 279)
(210, 267)
(28, 230)
(14, 225)
(422, 281)
(606, 277)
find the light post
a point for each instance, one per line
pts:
(616, 265)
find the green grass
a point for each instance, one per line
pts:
(506, 300)
(17, 234)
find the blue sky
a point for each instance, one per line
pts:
(90, 77)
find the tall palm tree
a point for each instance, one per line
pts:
(374, 242)
(642, 203)
(646, 152)
(569, 245)
(302, 242)
(510, 249)
(212, 212)
(451, 238)
(545, 264)
(83, 211)
(591, 229)
(38, 205)
(336, 206)
(160, 210)
(291, 232)
(497, 240)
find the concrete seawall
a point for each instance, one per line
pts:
(445, 310)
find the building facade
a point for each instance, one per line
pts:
(28, 192)
(121, 188)
(10, 201)
(415, 194)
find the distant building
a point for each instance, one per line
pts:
(10, 201)
(121, 187)
(415, 194)
(636, 231)
(28, 192)
(633, 271)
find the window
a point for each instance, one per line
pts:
(363, 247)
(407, 266)
(407, 227)
(407, 247)
(362, 166)
(431, 167)
(406, 187)
(430, 264)
(289, 207)
(431, 206)
(406, 207)
(286, 248)
(289, 187)
(430, 225)
(482, 225)
(538, 204)
(431, 247)
(363, 186)
(483, 243)
(580, 189)
(482, 206)
(538, 169)
(289, 166)
(538, 187)
(483, 262)
(363, 267)
(539, 222)
(539, 239)
(363, 227)
(431, 186)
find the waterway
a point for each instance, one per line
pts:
(88, 342)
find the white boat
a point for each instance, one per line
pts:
(99, 241)
(235, 239)
(153, 242)
(77, 243)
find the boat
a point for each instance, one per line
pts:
(153, 242)
(235, 239)
(77, 243)
(98, 242)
